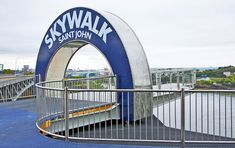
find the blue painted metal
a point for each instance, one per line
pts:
(18, 130)
(113, 50)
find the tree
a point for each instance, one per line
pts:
(7, 71)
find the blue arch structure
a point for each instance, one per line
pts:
(91, 27)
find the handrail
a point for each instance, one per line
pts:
(135, 90)
(91, 78)
(169, 106)
(39, 85)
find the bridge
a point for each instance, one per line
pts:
(13, 88)
(173, 78)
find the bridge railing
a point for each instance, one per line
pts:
(18, 87)
(177, 116)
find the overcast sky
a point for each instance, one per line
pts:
(174, 33)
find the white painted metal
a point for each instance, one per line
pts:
(134, 50)
(59, 62)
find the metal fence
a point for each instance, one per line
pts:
(69, 110)
(18, 87)
(175, 78)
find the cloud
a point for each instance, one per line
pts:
(167, 29)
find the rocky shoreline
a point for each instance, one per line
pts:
(217, 87)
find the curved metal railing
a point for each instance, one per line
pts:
(72, 110)
(52, 95)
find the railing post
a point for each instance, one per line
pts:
(182, 117)
(64, 83)
(183, 78)
(66, 113)
(178, 80)
(158, 80)
(115, 81)
(39, 77)
(87, 80)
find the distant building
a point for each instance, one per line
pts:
(204, 78)
(227, 73)
(25, 68)
(31, 70)
(82, 73)
(104, 72)
(1, 67)
(70, 70)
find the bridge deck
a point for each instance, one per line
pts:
(17, 126)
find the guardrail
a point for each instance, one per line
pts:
(177, 116)
(17, 88)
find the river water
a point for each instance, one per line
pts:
(210, 113)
